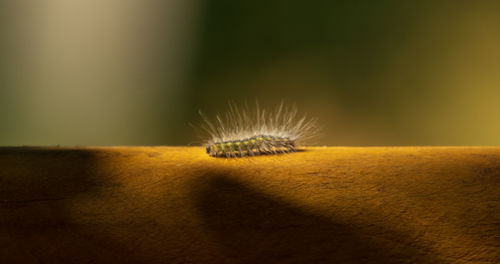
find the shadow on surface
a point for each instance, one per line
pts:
(39, 191)
(254, 227)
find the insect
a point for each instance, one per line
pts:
(241, 132)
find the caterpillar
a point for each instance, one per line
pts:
(241, 132)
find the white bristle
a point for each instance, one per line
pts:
(240, 124)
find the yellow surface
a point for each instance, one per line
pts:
(321, 205)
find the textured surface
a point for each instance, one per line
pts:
(178, 205)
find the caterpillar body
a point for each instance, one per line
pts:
(242, 133)
(261, 144)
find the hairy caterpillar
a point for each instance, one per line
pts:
(241, 132)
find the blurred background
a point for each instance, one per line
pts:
(126, 72)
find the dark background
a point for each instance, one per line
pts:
(136, 72)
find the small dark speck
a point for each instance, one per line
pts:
(153, 154)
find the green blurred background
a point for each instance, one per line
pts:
(125, 72)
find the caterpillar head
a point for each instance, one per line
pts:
(208, 149)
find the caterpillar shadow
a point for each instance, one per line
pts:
(250, 226)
